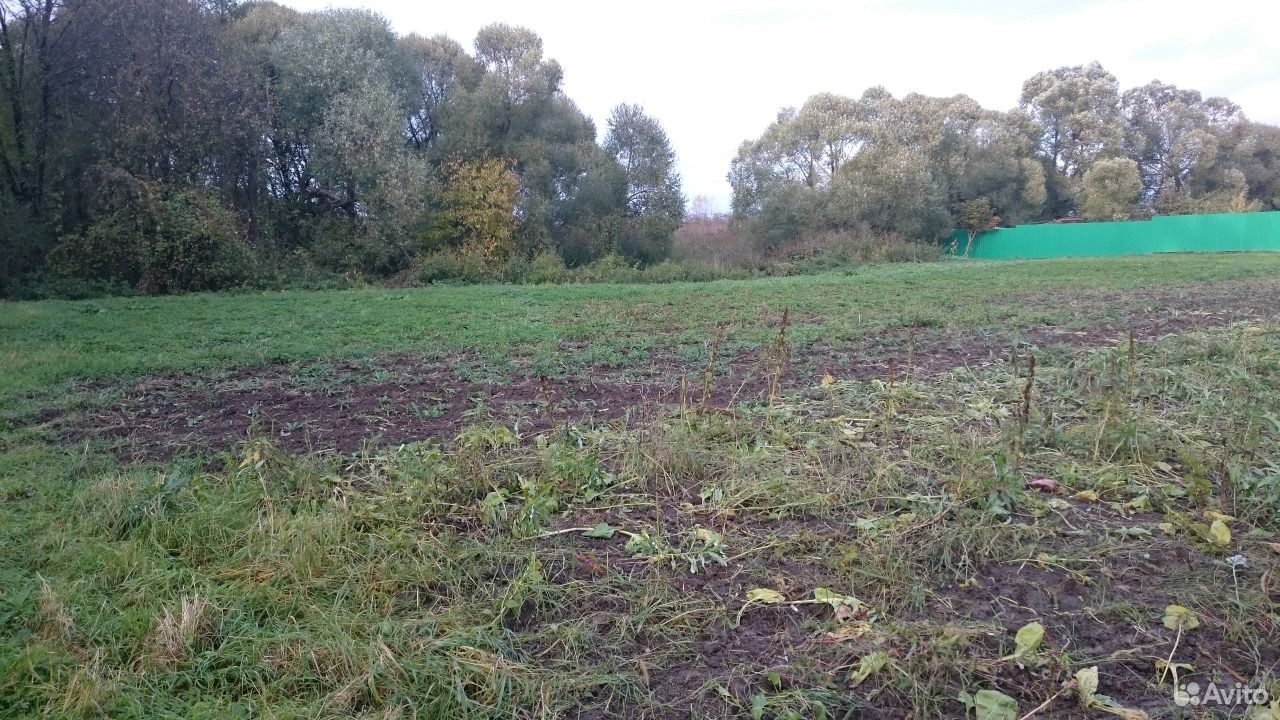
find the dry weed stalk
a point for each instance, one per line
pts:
(890, 400)
(544, 389)
(55, 621)
(1018, 443)
(779, 356)
(1130, 371)
(709, 373)
(178, 629)
(684, 396)
(1107, 409)
(911, 353)
(1113, 404)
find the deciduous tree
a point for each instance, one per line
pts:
(976, 217)
(654, 206)
(1112, 190)
(1172, 133)
(476, 208)
(1075, 115)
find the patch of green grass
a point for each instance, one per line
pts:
(43, 344)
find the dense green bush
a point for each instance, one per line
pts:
(48, 286)
(149, 240)
(156, 239)
(545, 267)
(646, 241)
(20, 251)
(467, 265)
(333, 244)
(612, 268)
(854, 246)
(196, 245)
(457, 266)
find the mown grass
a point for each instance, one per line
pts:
(45, 343)
(459, 578)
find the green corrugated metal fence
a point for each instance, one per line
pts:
(1236, 232)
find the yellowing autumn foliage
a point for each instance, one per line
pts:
(476, 209)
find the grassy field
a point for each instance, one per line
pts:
(45, 343)
(943, 490)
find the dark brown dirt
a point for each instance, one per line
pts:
(403, 398)
(1081, 612)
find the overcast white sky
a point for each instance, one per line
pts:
(716, 73)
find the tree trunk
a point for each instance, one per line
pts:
(46, 92)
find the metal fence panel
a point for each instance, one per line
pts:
(1233, 232)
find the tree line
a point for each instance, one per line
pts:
(168, 145)
(193, 144)
(1075, 147)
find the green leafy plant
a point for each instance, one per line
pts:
(988, 704)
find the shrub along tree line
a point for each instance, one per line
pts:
(195, 144)
(1075, 146)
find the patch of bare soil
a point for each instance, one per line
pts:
(398, 399)
(1082, 610)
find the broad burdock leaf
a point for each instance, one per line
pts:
(765, 596)
(868, 666)
(846, 607)
(1268, 712)
(640, 545)
(1141, 503)
(1087, 691)
(1026, 641)
(1219, 534)
(849, 631)
(1176, 616)
(994, 705)
(707, 537)
(760, 596)
(1087, 684)
(602, 531)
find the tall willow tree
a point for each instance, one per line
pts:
(654, 206)
(1173, 133)
(33, 49)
